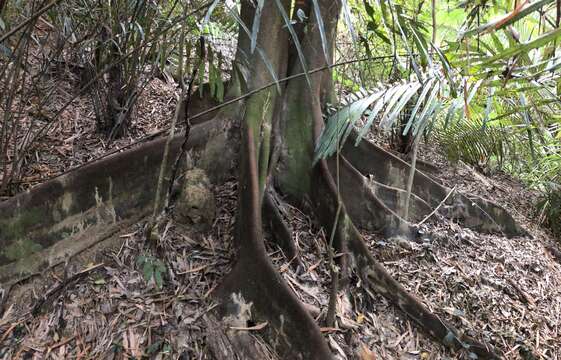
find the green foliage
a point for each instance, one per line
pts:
(489, 73)
(152, 269)
(215, 82)
(546, 177)
(487, 89)
(382, 105)
(481, 146)
(550, 210)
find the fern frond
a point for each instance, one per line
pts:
(477, 144)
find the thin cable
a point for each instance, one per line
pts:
(215, 108)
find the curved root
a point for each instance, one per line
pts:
(386, 168)
(254, 290)
(275, 218)
(375, 211)
(376, 278)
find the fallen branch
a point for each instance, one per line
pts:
(60, 287)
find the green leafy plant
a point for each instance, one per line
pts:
(383, 106)
(483, 147)
(546, 177)
(152, 269)
(488, 93)
(550, 210)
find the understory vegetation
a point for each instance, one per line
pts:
(337, 120)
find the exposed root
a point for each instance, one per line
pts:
(390, 193)
(424, 166)
(50, 295)
(275, 217)
(388, 169)
(254, 290)
(226, 344)
(255, 285)
(348, 241)
(365, 207)
(376, 278)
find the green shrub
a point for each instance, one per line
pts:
(550, 210)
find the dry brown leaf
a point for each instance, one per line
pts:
(365, 353)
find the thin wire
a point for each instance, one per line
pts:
(215, 108)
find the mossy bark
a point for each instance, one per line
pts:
(295, 168)
(82, 204)
(254, 282)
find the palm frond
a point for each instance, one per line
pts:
(523, 47)
(256, 23)
(234, 12)
(384, 105)
(348, 20)
(507, 19)
(319, 19)
(477, 145)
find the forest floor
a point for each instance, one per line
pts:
(72, 139)
(506, 292)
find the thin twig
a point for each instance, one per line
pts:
(436, 208)
(32, 18)
(331, 309)
(165, 158)
(187, 102)
(413, 168)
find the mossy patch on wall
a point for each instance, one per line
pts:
(20, 249)
(20, 225)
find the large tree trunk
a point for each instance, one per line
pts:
(254, 282)
(279, 128)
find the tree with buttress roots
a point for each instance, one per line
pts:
(280, 126)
